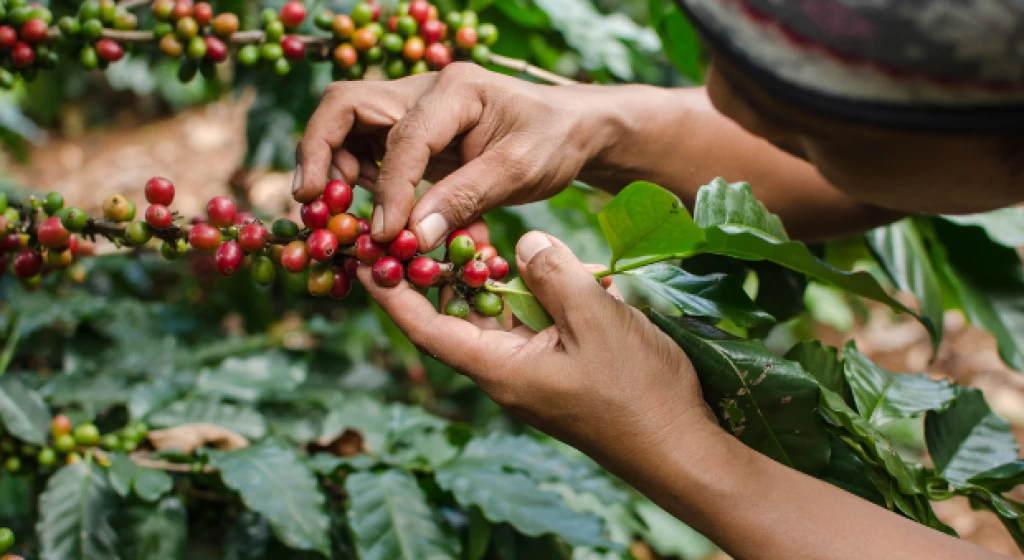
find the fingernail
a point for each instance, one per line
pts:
(334, 174)
(378, 220)
(531, 244)
(433, 228)
(297, 181)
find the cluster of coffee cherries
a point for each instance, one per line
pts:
(476, 265)
(191, 32)
(7, 543)
(24, 34)
(34, 239)
(67, 445)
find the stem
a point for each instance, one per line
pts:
(530, 70)
(640, 264)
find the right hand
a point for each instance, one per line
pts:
(485, 138)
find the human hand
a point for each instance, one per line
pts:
(488, 140)
(603, 378)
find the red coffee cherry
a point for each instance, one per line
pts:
(204, 237)
(423, 271)
(419, 10)
(216, 50)
(27, 263)
(159, 191)
(387, 272)
(10, 243)
(228, 258)
(375, 10)
(8, 37)
(34, 31)
(182, 9)
(295, 258)
(252, 237)
(368, 250)
(403, 247)
(203, 13)
(22, 55)
(109, 50)
(345, 55)
(392, 24)
(345, 227)
(322, 245)
(342, 284)
(437, 56)
(243, 218)
(292, 47)
(351, 266)
(485, 251)
(475, 274)
(51, 233)
(316, 214)
(338, 196)
(364, 226)
(466, 38)
(159, 216)
(498, 267)
(221, 211)
(432, 31)
(292, 14)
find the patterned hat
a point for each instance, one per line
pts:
(955, 65)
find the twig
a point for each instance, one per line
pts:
(530, 70)
(131, 4)
(143, 461)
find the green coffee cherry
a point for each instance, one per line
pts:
(282, 67)
(396, 69)
(263, 271)
(74, 219)
(3, 203)
(421, 67)
(362, 14)
(406, 26)
(6, 79)
(480, 54)
(323, 20)
(274, 31)
(457, 307)
(87, 435)
(47, 457)
(88, 58)
(163, 29)
(138, 234)
(461, 250)
(6, 540)
(271, 52)
(129, 446)
(110, 442)
(89, 10)
(487, 34)
(65, 443)
(356, 71)
(249, 55)
(52, 202)
(92, 29)
(13, 464)
(284, 228)
(187, 70)
(489, 304)
(392, 42)
(268, 15)
(196, 48)
(374, 54)
(69, 26)
(175, 250)
(454, 21)
(469, 19)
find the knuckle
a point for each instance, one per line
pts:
(549, 264)
(463, 203)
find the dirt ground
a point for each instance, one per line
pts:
(201, 151)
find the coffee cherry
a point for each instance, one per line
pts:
(414, 49)
(284, 228)
(22, 55)
(196, 49)
(498, 267)
(109, 50)
(469, 19)
(457, 307)
(345, 55)
(362, 14)
(125, 21)
(295, 257)
(110, 442)
(423, 271)
(419, 10)
(34, 31)
(11, 242)
(204, 237)
(263, 270)
(364, 39)
(137, 234)
(64, 443)
(489, 304)
(403, 247)
(117, 208)
(316, 214)
(375, 10)
(159, 191)
(282, 66)
(182, 9)
(487, 34)
(351, 265)
(159, 217)
(368, 250)
(387, 272)
(392, 25)
(186, 28)
(27, 263)
(322, 245)
(92, 29)
(342, 26)
(461, 250)
(228, 258)
(57, 259)
(292, 14)
(216, 50)
(323, 20)
(174, 250)
(243, 218)
(396, 69)
(69, 26)
(485, 251)
(225, 25)
(292, 47)
(203, 13)
(406, 26)
(419, 67)
(46, 458)
(342, 284)
(221, 211)
(60, 425)
(6, 539)
(252, 237)
(162, 9)
(51, 233)
(8, 37)
(437, 56)
(249, 55)
(475, 274)
(338, 196)
(73, 458)
(466, 38)
(432, 31)
(12, 464)
(320, 280)
(392, 43)
(87, 435)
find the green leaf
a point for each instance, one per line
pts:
(1010, 513)
(716, 296)
(154, 531)
(1004, 226)
(846, 470)
(525, 305)
(479, 538)
(902, 253)
(151, 484)
(247, 538)
(669, 536)
(16, 497)
(720, 204)
(23, 412)
(74, 514)
(645, 220)
(12, 336)
(822, 362)
(250, 379)
(767, 402)
(273, 482)
(121, 474)
(883, 396)
(968, 438)
(242, 420)
(1003, 478)
(391, 519)
(679, 40)
(476, 479)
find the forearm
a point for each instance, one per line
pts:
(676, 138)
(753, 507)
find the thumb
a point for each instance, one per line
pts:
(559, 280)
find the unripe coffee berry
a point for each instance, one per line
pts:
(387, 272)
(487, 34)
(323, 19)
(320, 280)
(263, 270)
(475, 274)
(406, 26)
(316, 214)
(322, 245)
(342, 284)
(345, 55)
(47, 457)
(51, 233)
(457, 307)
(403, 247)
(454, 234)
(138, 234)
(284, 228)
(27, 263)
(216, 50)
(423, 271)
(174, 250)
(461, 250)
(368, 250)
(117, 208)
(364, 39)
(171, 46)
(204, 237)
(159, 217)
(292, 48)
(228, 258)
(252, 238)
(109, 50)
(414, 49)
(337, 196)
(225, 25)
(159, 191)
(466, 38)
(196, 49)
(295, 258)
(162, 9)
(64, 443)
(221, 211)
(87, 435)
(489, 304)
(110, 442)
(6, 539)
(498, 267)
(57, 259)
(362, 14)
(292, 14)
(342, 26)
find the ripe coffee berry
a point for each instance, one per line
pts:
(488, 304)
(316, 214)
(216, 50)
(252, 237)
(351, 265)
(364, 39)
(292, 47)
(159, 191)
(403, 246)
(10, 243)
(292, 14)
(364, 226)
(485, 251)
(27, 263)
(387, 272)
(60, 425)
(419, 10)
(51, 233)
(345, 227)
(203, 13)
(466, 38)
(423, 271)
(295, 258)
(221, 211)
(263, 271)
(228, 258)
(461, 250)
(22, 55)
(342, 26)
(414, 49)
(345, 55)
(342, 284)
(368, 250)
(204, 237)
(322, 245)
(8, 37)
(34, 31)
(159, 217)
(109, 50)
(438, 56)
(457, 307)
(224, 25)
(475, 274)
(431, 31)
(243, 218)
(337, 196)
(498, 267)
